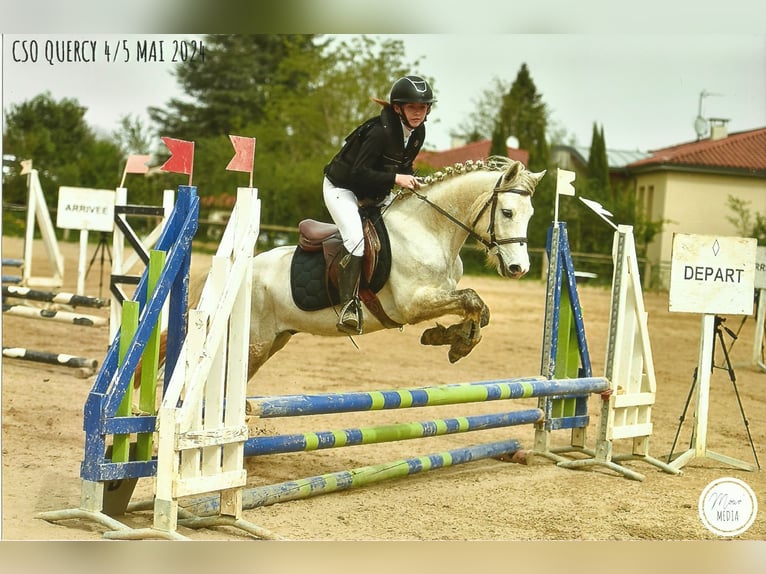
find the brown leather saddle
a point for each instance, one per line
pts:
(314, 267)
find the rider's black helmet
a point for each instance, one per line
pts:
(411, 89)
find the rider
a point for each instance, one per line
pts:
(376, 156)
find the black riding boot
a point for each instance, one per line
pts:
(349, 271)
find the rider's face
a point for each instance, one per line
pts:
(415, 113)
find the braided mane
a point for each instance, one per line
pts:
(492, 163)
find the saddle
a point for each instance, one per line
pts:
(314, 267)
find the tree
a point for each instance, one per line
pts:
(597, 174)
(498, 145)
(523, 114)
(227, 93)
(598, 238)
(227, 89)
(480, 124)
(65, 150)
(134, 136)
(299, 96)
(747, 224)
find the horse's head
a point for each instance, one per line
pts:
(505, 216)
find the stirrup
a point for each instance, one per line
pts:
(350, 320)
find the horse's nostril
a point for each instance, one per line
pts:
(514, 269)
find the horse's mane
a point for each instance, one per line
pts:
(492, 163)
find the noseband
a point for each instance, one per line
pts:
(490, 204)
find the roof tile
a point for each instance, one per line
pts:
(742, 150)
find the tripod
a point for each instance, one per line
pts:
(697, 446)
(103, 249)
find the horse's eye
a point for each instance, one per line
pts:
(508, 213)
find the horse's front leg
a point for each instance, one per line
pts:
(461, 337)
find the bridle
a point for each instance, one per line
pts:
(490, 204)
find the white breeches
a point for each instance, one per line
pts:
(344, 210)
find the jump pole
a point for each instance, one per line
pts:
(308, 487)
(330, 403)
(326, 403)
(73, 299)
(57, 316)
(304, 442)
(11, 262)
(84, 365)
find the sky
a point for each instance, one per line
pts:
(644, 90)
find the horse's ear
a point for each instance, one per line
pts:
(539, 175)
(513, 170)
(536, 177)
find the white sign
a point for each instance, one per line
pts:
(760, 267)
(712, 275)
(84, 208)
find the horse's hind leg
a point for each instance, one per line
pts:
(260, 352)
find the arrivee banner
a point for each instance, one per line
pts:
(85, 208)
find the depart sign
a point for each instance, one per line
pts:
(85, 208)
(711, 275)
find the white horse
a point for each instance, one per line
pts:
(488, 201)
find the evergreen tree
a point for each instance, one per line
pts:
(523, 114)
(498, 145)
(597, 173)
(593, 236)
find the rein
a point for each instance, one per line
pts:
(490, 203)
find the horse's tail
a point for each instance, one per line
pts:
(163, 353)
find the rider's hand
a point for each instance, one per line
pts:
(406, 181)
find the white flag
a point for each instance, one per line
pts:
(596, 206)
(564, 179)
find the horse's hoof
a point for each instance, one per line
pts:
(434, 336)
(460, 349)
(484, 321)
(455, 354)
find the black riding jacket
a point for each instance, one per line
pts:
(373, 154)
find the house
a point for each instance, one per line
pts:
(575, 158)
(435, 160)
(688, 186)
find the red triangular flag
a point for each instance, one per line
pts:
(137, 164)
(181, 156)
(244, 153)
